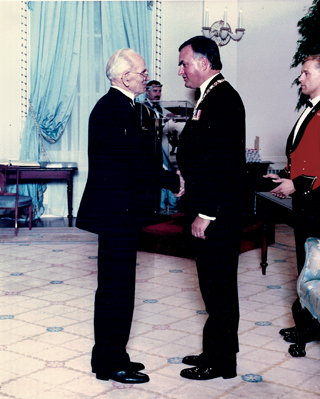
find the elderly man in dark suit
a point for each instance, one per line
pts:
(211, 158)
(123, 173)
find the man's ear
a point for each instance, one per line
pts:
(125, 79)
(204, 63)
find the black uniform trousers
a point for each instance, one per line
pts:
(306, 222)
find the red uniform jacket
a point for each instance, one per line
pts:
(304, 154)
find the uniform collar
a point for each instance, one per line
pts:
(126, 93)
(315, 100)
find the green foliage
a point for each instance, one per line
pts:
(309, 44)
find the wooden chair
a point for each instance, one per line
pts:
(12, 200)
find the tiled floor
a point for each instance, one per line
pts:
(46, 335)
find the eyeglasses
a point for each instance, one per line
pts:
(144, 74)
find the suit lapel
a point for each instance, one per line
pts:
(190, 122)
(199, 106)
(212, 82)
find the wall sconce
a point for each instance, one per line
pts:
(220, 31)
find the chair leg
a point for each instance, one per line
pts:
(16, 224)
(30, 217)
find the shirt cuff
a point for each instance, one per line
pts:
(206, 217)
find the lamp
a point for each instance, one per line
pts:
(220, 31)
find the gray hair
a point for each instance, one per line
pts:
(119, 63)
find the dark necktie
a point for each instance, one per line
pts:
(309, 104)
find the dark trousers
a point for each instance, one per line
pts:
(114, 300)
(217, 264)
(306, 219)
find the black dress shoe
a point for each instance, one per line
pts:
(193, 360)
(308, 336)
(208, 373)
(134, 366)
(125, 376)
(297, 350)
(288, 331)
(291, 335)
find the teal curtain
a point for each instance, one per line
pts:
(126, 24)
(71, 42)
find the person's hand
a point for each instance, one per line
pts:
(182, 190)
(284, 189)
(199, 226)
(271, 176)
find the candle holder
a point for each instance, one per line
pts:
(237, 36)
(220, 31)
(214, 32)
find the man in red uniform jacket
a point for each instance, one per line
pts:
(301, 178)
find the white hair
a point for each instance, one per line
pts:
(120, 62)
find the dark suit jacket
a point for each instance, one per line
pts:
(211, 156)
(123, 171)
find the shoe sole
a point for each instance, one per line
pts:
(106, 377)
(225, 377)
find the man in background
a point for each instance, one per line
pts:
(211, 159)
(153, 93)
(169, 203)
(122, 171)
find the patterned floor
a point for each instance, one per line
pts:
(46, 307)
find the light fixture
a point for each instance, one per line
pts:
(220, 31)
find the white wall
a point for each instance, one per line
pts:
(182, 20)
(258, 66)
(264, 74)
